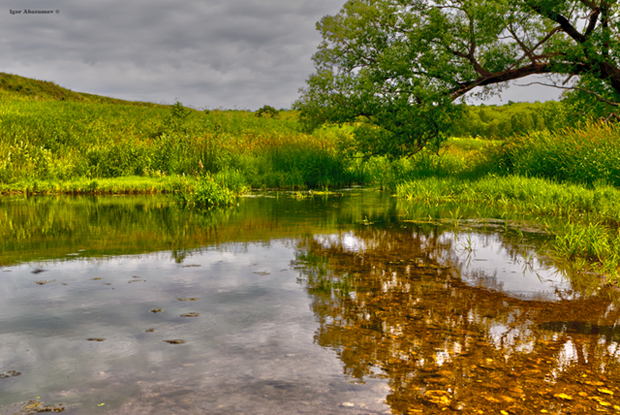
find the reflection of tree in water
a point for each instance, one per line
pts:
(390, 310)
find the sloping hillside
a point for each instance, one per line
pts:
(20, 88)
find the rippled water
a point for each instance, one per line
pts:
(351, 303)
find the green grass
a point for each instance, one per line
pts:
(587, 156)
(100, 186)
(51, 134)
(584, 221)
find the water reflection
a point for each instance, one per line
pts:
(403, 306)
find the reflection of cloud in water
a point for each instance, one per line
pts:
(345, 240)
(487, 262)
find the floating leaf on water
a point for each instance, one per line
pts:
(175, 341)
(348, 404)
(262, 273)
(149, 330)
(563, 396)
(96, 279)
(190, 314)
(188, 299)
(503, 412)
(605, 391)
(156, 310)
(594, 383)
(95, 339)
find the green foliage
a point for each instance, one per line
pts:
(205, 192)
(83, 185)
(395, 67)
(14, 87)
(502, 122)
(51, 140)
(586, 156)
(584, 106)
(267, 111)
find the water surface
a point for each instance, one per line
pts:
(353, 303)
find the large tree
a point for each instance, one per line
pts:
(396, 67)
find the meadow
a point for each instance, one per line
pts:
(52, 138)
(56, 141)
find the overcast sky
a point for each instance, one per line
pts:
(206, 53)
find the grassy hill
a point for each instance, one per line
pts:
(15, 87)
(49, 133)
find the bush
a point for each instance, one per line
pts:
(267, 112)
(206, 192)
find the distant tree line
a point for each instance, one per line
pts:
(501, 122)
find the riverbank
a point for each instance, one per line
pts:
(87, 186)
(584, 221)
(57, 142)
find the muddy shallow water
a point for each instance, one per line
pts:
(353, 303)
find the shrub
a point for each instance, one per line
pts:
(267, 112)
(206, 192)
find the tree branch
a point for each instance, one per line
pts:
(496, 78)
(576, 88)
(564, 23)
(593, 20)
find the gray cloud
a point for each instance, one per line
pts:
(221, 53)
(217, 53)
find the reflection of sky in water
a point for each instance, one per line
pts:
(345, 240)
(487, 263)
(251, 348)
